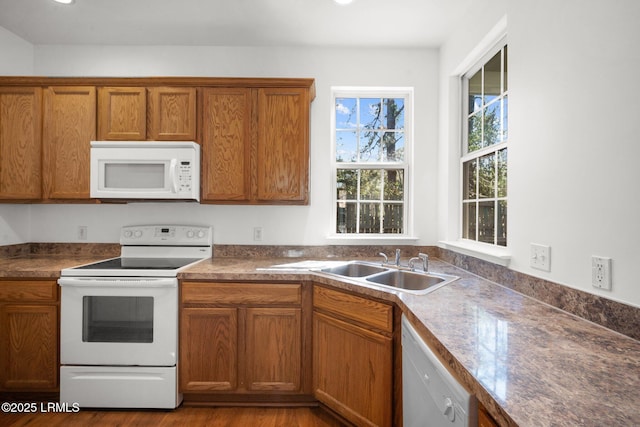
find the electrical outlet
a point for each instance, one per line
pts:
(601, 272)
(540, 257)
(82, 232)
(257, 234)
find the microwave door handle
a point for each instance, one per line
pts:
(173, 175)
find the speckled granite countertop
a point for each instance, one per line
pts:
(530, 364)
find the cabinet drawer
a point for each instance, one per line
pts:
(28, 290)
(365, 311)
(241, 293)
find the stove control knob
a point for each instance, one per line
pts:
(127, 234)
(137, 233)
(200, 234)
(190, 234)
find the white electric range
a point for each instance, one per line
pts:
(119, 319)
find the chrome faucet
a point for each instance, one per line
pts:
(397, 261)
(386, 259)
(421, 257)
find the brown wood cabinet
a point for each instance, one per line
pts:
(226, 144)
(254, 133)
(255, 145)
(353, 356)
(28, 335)
(122, 113)
(153, 113)
(20, 143)
(244, 339)
(171, 114)
(69, 127)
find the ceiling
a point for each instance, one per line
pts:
(364, 23)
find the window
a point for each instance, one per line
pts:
(371, 130)
(484, 151)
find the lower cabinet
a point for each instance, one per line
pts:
(353, 356)
(244, 339)
(28, 336)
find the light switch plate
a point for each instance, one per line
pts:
(540, 257)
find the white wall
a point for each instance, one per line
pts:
(574, 140)
(307, 225)
(16, 59)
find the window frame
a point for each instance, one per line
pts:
(466, 156)
(406, 165)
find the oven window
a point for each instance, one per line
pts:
(117, 319)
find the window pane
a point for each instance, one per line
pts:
(475, 133)
(501, 237)
(486, 222)
(504, 78)
(370, 145)
(505, 118)
(469, 220)
(487, 174)
(492, 78)
(370, 113)
(393, 113)
(347, 184)
(346, 146)
(346, 217)
(475, 92)
(346, 113)
(502, 173)
(370, 184)
(469, 184)
(393, 218)
(492, 118)
(393, 184)
(393, 146)
(370, 218)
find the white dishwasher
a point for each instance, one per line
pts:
(431, 396)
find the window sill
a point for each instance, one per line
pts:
(490, 253)
(369, 239)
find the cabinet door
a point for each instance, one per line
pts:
(20, 143)
(208, 349)
(69, 127)
(172, 114)
(352, 371)
(274, 349)
(28, 347)
(283, 145)
(226, 144)
(122, 113)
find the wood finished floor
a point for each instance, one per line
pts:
(183, 416)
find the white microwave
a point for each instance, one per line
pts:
(145, 170)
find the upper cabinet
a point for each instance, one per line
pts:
(253, 133)
(255, 144)
(171, 114)
(122, 113)
(69, 127)
(283, 145)
(20, 143)
(139, 113)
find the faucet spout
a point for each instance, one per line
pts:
(397, 260)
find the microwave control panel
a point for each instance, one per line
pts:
(185, 173)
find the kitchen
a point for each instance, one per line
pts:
(560, 54)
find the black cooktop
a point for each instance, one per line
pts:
(139, 264)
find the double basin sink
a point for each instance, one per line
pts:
(403, 280)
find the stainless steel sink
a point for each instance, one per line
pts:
(402, 279)
(355, 269)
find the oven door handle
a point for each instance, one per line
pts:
(119, 282)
